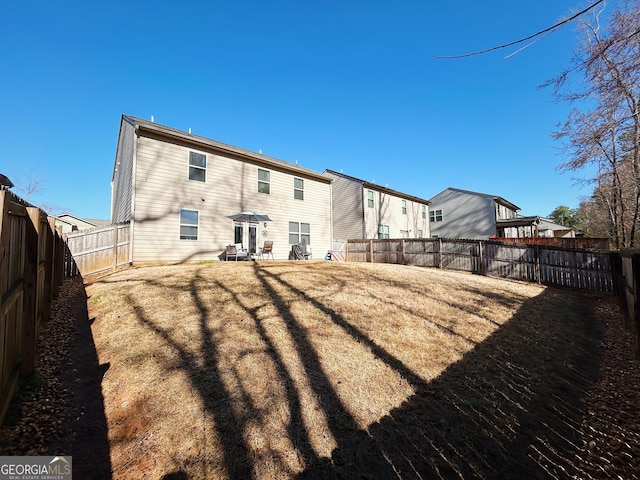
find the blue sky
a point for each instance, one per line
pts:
(351, 86)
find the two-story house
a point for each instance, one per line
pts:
(457, 213)
(365, 210)
(177, 191)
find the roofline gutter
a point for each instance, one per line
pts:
(202, 143)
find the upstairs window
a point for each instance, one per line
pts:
(298, 189)
(197, 167)
(383, 232)
(435, 216)
(424, 211)
(188, 225)
(264, 181)
(404, 207)
(369, 199)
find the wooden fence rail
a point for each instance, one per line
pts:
(573, 268)
(31, 270)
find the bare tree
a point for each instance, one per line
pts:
(606, 132)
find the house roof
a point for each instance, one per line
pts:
(70, 219)
(518, 221)
(65, 216)
(497, 198)
(374, 186)
(207, 143)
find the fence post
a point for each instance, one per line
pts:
(370, 251)
(440, 253)
(480, 252)
(48, 269)
(402, 252)
(635, 320)
(30, 293)
(536, 266)
(115, 247)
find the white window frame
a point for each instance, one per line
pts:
(383, 232)
(370, 202)
(435, 215)
(194, 167)
(196, 225)
(404, 207)
(298, 188)
(299, 232)
(424, 211)
(263, 182)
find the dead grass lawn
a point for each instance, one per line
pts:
(286, 369)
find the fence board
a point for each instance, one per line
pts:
(13, 222)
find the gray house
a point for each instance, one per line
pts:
(177, 191)
(362, 209)
(457, 213)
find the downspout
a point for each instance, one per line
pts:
(134, 168)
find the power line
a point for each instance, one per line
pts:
(537, 34)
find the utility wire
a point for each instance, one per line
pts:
(541, 32)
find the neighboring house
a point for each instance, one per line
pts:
(363, 209)
(457, 213)
(68, 223)
(177, 189)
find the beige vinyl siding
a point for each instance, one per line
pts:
(163, 188)
(122, 183)
(387, 210)
(348, 214)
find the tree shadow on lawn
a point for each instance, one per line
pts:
(511, 408)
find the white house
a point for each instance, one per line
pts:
(365, 210)
(176, 190)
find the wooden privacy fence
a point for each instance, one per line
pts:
(32, 267)
(102, 249)
(626, 272)
(582, 269)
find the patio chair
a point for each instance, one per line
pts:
(266, 250)
(231, 253)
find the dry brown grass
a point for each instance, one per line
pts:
(280, 369)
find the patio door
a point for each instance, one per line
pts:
(253, 229)
(238, 233)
